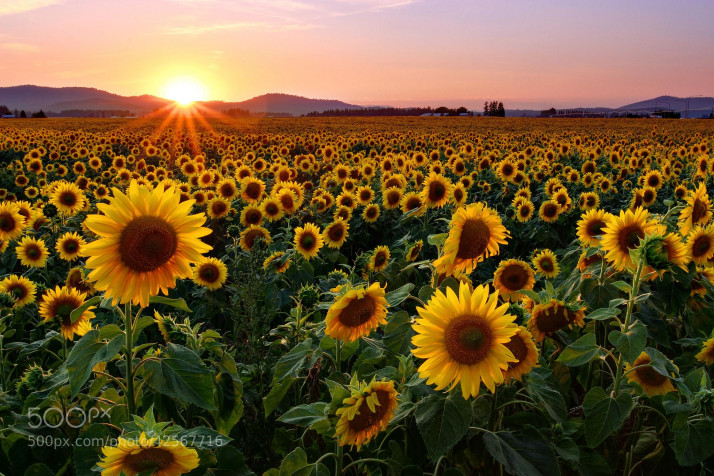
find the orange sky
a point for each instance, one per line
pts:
(385, 52)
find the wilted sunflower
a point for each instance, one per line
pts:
(706, 355)
(58, 304)
(546, 264)
(652, 382)
(525, 351)
(11, 222)
(463, 339)
(20, 289)
(249, 236)
(437, 190)
(147, 455)
(32, 253)
(356, 312)
(700, 244)
(475, 233)
(697, 212)
(623, 233)
(336, 233)
(549, 211)
(512, 276)
(308, 240)
(365, 413)
(148, 239)
(379, 259)
(70, 245)
(591, 226)
(68, 198)
(546, 319)
(277, 260)
(210, 273)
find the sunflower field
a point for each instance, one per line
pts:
(315, 297)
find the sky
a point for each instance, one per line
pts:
(528, 54)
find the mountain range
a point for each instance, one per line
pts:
(58, 100)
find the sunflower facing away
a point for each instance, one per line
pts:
(548, 318)
(59, 303)
(20, 289)
(210, 273)
(463, 339)
(148, 239)
(356, 313)
(165, 458)
(475, 233)
(365, 413)
(512, 276)
(308, 240)
(652, 382)
(277, 260)
(525, 351)
(623, 233)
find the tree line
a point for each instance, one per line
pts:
(494, 109)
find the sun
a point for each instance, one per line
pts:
(185, 91)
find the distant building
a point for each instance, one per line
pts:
(8, 116)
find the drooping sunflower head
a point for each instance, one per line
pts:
(70, 245)
(77, 279)
(475, 233)
(32, 253)
(356, 312)
(210, 273)
(525, 351)
(379, 259)
(308, 240)
(148, 239)
(366, 412)
(164, 458)
(57, 305)
(463, 339)
(548, 318)
(20, 289)
(623, 233)
(661, 251)
(546, 264)
(512, 276)
(591, 226)
(652, 382)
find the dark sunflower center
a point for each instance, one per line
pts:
(371, 212)
(437, 191)
(365, 418)
(649, 376)
(550, 210)
(393, 198)
(551, 319)
(474, 239)
(701, 246)
(307, 242)
(699, 210)
(33, 252)
(271, 209)
(253, 217)
(630, 237)
(7, 222)
(595, 228)
(546, 264)
(219, 208)
(253, 190)
(379, 259)
(147, 243)
(148, 459)
(514, 277)
(70, 246)
(358, 311)
(336, 233)
(508, 170)
(209, 273)
(68, 198)
(226, 190)
(413, 203)
(251, 236)
(18, 292)
(287, 201)
(518, 348)
(468, 339)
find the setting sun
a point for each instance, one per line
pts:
(185, 91)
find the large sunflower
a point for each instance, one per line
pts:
(623, 233)
(148, 239)
(20, 289)
(356, 313)
(697, 212)
(58, 304)
(512, 276)
(475, 233)
(11, 222)
(68, 198)
(164, 458)
(548, 318)
(308, 240)
(365, 413)
(525, 351)
(700, 244)
(32, 253)
(70, 245)
(210, 273)
(463, 339)
(651, 381)
(591, 226)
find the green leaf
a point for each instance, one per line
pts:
(631, 343)
(202, 437)
(295, 464)
(692, 442)
(228, 396)
(305, 415)
(604, 414)
(531, 294)
(398, 333)
(39, 469)
(278, 390)
(231, 462)
(622, 286)
(603, 314)
(580, 352)
(538, 388)
(442, 422)
(398, 296)
(141, 324)
(338, 393)
(291, 363)
(522, 455)
(437, 240)
(77, 313)
(86, 353)
(175, 303)
(181, 374)
(85, 456)
(661, 364)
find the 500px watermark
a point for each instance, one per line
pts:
(54, 417)
(55, 442)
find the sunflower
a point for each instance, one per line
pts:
(590, 227)
(20, 289)
(272, 209)
(365, 413)
(210, 273)
(70, 245)
(524, 211)
(68, 198)
(391, 198)
(549, 211)
(148, 239)
(58, 304)
(414, 250)
(288, 201)
(623, 233)
(252, 189)
(251, 215)
(32, 253)
(147, 455)
(226, 188)
(700, 244)
(548, 318)
(706, 355)
(546, 264)
(249, 236)
(356, 312)
(463, 339)
(379, 259)
(371, 213)
(652, 382)
(437, 190)
(11, 222)
(218, 207)
(336, 233)
(525, 351)
(308, 240)
(476, 232)
(76, 279)
(697, 212)
(412, 203)
(277, 260)
(512, 276)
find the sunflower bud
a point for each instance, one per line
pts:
(653, 250)
(30, 382)
(49, 210)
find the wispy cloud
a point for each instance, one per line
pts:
(10, 7)
(20, 47)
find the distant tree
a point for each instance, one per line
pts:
(39, 115)
(16, 113)
(486, 109)
(4, 110)
(548, 112)
(462, 110)
(500, 110)
(22, 113)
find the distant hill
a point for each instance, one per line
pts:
(274, 103)
(698, 106)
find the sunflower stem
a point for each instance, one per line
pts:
(338, 355)
(338, 459)
(128, 328)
